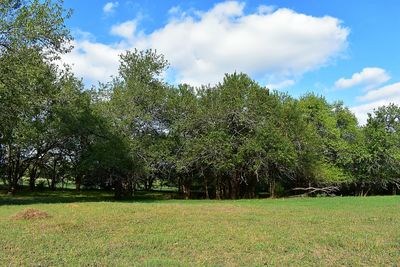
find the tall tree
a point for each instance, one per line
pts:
(382, 137)
(32, 34)
(34, 24)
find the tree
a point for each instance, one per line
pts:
(336, 128)
(34, 24)
(32, 33)
(382, 139)
(135, 109)
(25, 104)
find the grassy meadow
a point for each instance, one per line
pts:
(90, 229)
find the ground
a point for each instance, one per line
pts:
(90, 229)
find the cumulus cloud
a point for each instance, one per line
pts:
(125, 30)
(386, 92)
(174, 10)
(368, 77)
(110, 7)
(224, 39)
(361, 111)
(205, 45)
(93, 61)
(376, 98)
(280, 85)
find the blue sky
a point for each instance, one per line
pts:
(344, 50)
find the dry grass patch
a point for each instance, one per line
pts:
(30, 214)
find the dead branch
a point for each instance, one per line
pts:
(329, 190)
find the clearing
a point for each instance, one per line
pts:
(91, 229)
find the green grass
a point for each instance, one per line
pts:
(92, 230)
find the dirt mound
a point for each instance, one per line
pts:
(30, 214)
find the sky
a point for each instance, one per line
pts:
(343, 50)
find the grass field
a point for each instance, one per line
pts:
(89, 229)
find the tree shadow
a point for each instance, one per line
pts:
(26, 197)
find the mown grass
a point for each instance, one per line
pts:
(92, 230)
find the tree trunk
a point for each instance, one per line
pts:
(146, 185)
(206, 188)
(129, 188)
(13, 177)
(224, 191)
(53, 182)
(54, 176)
(118, 189)
(180, 190)
(32, 178)
(151, 184)
(272, 185)
(10, 172)
(32, 183)
(250, 189)
(12, 188)
(78, 181)
(186, 191)
(366, 192)
(233, 186)
(217, 190)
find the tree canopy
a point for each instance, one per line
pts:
(235, 139)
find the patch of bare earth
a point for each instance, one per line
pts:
(30, 214)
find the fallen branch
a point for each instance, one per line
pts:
(329, 190)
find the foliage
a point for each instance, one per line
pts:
(34, 24)
(233, 140)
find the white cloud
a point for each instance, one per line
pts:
(224, 39)
(225, 10)
(125, 30)
(202, 47)
(93, 61)
(280, 85)
(379, 97)
(386, 92)
(174, 10)
(110, 7)
(361, 111)
(368, 77)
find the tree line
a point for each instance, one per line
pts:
(236, 139)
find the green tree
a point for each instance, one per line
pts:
(35, 24)
(382, 155)
(135, 107)
(32, 33)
